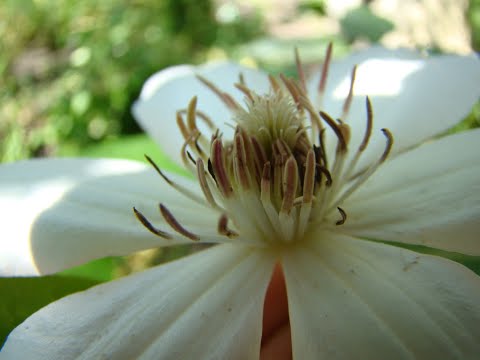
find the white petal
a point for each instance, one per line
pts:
(354, 299)
(171, 90)
(59, 213)
(414, 98)
(206, 306)
(428, 196)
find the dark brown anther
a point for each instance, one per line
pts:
(155, 166)
(175, 225)
(219, 169)
(210, 170)
(240, 161)
(190, 157)
(389, 145)
(342, 144)
(323, 170)
(223, 229)
(368, 129)
(344, 216)
(325, 67)
(149, 225)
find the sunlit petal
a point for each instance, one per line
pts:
(428, 196)
(60, 213)
(206, 306)
(415, 98)
(354, 299)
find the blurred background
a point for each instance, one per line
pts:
(70, 71)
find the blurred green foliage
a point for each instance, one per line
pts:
(473, 16)
(71, 69)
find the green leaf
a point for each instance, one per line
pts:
(21, 297)
(97, 270)
(133, 147)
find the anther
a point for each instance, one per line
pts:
(246, 91)
(155, 166)
(175, 225)
(323, 170)
(344, 216)
(309, 177)
(190, 157)
(149, 225)
(342, 144)
(389, 145)
(204, 184)
(226, 98)
(325, 67)
(348, 100)
(368, 129)
(223, 229)
(219, 170)
(300, 72)
(290, 183)
(240, 162)
(274, 83)
(191, 114)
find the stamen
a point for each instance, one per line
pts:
(309, 177)
(204, 184)
(274, 84)
(190, 157)
(348, 100)
(368, 129)
(300, 73)
(324, 171)
(325, 67)
(342, 144)
(219, 170)
(290, 183)
(389, 146)
(361, 178)
(223, 229)
(246, 91)
(226, 98)
(184, 191)
(149, 225)
(181, 126)
(240, 162)
(191, 114)
(170, 219)
(344, 216)
(293, 90)
(241, 79)
(308, 188)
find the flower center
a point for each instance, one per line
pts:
(274, 180)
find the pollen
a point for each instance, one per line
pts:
(274, 182)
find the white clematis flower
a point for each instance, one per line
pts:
(282, 183)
